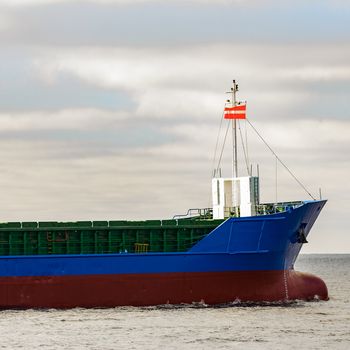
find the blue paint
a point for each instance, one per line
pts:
(239, 244)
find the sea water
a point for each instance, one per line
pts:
(295, 325)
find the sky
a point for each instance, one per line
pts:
(110, 109)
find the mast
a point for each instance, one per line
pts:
(234, 89)
(234, 188)
(233, 102)
(238, 195)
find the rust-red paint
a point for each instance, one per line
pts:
(155, 289)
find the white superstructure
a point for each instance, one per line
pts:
(235, 196)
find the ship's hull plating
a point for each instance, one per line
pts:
(246, 259)
(155, 289)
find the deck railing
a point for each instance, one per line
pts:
(264, 208)
(258, 210)
(273, 208)
(200, 213)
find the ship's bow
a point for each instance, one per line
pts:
(302, 285)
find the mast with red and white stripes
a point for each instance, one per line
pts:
(234, 110)
(238, 195)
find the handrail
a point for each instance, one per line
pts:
(260, 209)
(201, 213)
(264, 208)
(273, 208)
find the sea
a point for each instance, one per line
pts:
(294, 325)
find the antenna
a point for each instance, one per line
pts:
(233, 101)
(235, 204)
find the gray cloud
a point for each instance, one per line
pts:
(169, 23)
(245, 3)
(295, 82)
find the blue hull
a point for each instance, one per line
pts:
(259, 243)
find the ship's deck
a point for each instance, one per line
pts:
(107, 237)
(102, 237)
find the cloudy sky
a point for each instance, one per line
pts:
(110, 109)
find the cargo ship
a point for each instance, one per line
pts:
(237, 250)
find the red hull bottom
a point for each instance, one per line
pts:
(156, 289)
